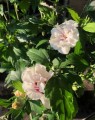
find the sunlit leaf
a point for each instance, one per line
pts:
(90, 27)
(36, 106)
(40, 56)
(17, 85)
(74, 14)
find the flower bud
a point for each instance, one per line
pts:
(16, 105)
(17, 93)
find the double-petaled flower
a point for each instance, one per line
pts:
(34, 81)
(64, 36)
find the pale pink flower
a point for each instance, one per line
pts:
(64, 36)
(34, 81)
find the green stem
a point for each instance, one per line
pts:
(5, 17)
(30, 116)
(16, 10)
(8, 8)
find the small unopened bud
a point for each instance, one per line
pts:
(43, 33)
(16, 105)
(17, 93)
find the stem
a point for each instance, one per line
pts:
(16, 10)
(8, 8)
(30, 116)
(5, 17)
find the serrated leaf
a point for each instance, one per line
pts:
(61, 98)
(12, 76)
(76, 60)
(16, 114)
(41, 42)
(21, 64)
(55, 63)
(35, 118)
(2, 26)
(78, 48)
(22, 38)
(90, 27)
(36, 106)
(50, 116)
(40, 56)
(84, 62)
(47, 14)
(5, 103)
(24, 5)
(74, 15)
(17, 85)
(17, 51)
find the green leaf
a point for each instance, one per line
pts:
(73, 77)
(5, 66)
(35, 118)
(74, 15)
(34, 4)
(50, 116)
(40, 56)
(62, 117)
(12, 76)
(84, 62)
(41, 42)
(17, 85)
(2, 25)
(13, 1)
(73, 59)
(36, 106)
(24, 5)
(56, 63)
(21, 64)
(5, 103)
(78, 48)
(61, 97)
(16, 114)
(70, 105)
(2, 70)
(48, 14)
(17, 51)
(90, 27)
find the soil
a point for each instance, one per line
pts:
(86, 105)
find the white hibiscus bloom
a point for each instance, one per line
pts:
(34, 81)
(64, 36)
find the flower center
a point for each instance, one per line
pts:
(62, 37)
(36, 87)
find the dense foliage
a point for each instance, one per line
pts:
(29, 39)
